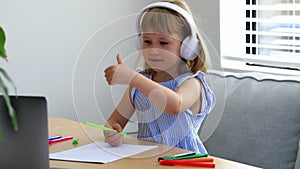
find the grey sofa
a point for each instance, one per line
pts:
(256, 120)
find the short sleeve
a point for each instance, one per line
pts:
(207, 94)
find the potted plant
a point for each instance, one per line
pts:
(3, 88)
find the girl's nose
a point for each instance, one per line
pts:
(153, 51)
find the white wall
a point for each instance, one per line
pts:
(60, 48)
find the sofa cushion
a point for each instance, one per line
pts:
(260, 123)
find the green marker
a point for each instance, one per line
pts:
(184, 157)
(122, 133)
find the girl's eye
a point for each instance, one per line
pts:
(147, 41)
(163, 43)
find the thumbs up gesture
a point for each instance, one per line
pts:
(119, 73)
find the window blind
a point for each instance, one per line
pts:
(273, 29)
(271, 34)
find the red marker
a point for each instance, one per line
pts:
(198, 160)
(60, 139)
(187, 163)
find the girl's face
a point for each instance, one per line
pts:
(161, 52)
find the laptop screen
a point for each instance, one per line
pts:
(27, 147)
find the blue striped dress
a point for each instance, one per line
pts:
(177, 130)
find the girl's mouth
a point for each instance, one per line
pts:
(156, 60)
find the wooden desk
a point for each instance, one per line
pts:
(145, 160)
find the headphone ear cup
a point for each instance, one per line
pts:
(190, 48)
(138, 42)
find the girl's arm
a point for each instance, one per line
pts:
(165, 99)
(118, 120)
(172, 102)
(122, 112)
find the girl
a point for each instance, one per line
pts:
(170, 96)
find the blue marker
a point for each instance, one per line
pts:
(54, 137)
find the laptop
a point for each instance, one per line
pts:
(28, 147)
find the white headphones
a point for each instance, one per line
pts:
(190, 47)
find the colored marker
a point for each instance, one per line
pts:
(185, 163)
(54, 137)
(122, 133)
(60, 139)
(176, 156)
(184, 157)
(197, 160)
(192, 156)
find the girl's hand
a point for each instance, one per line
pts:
(113, 137)
(119, 74)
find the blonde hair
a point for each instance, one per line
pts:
(166, 21)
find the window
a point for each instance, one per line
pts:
(260, 35)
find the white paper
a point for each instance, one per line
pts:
(99, 152)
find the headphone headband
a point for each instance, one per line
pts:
(173, 7)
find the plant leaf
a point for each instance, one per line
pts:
(11, 110)
(0, 134)
(5, 74)
(3, 53)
